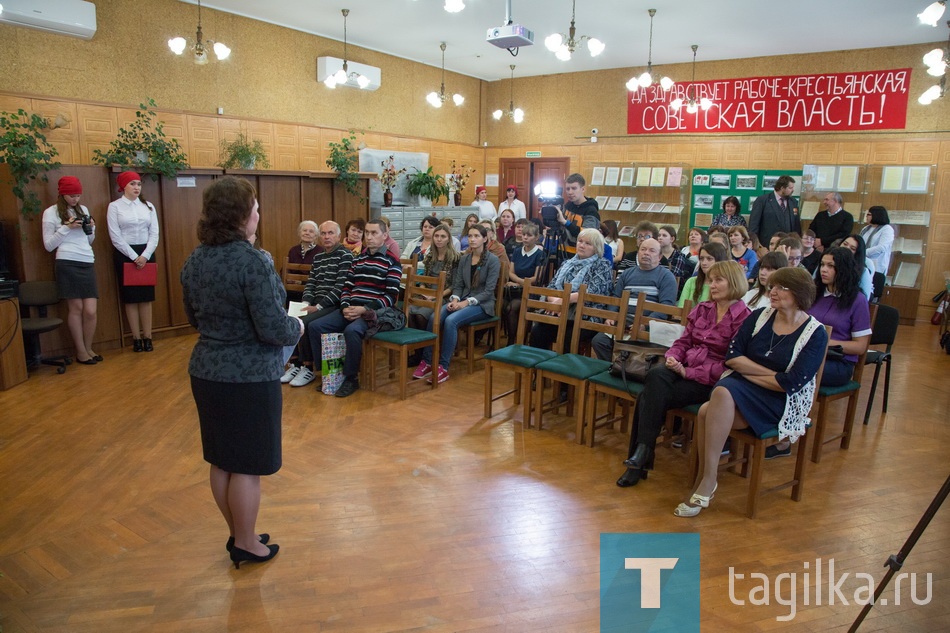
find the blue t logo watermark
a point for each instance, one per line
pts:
(649, 582)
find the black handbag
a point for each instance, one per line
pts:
(633, 360)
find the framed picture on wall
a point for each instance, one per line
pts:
(746, 181)
(768, 182)
(612, 177)
(720, 181)
(626, 177)
(597, 176)
(703, 201)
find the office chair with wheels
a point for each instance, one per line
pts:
(40, 295)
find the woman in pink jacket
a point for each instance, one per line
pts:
(693, 365)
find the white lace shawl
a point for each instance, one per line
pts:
(797, 405)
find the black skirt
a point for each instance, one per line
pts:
(76, 280)
(132, 294)
(240, 425)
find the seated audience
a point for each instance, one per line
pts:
(645, 230)
(303, 253)
(494, 246)
(758, 296)
(449, 222)
(740, 251)
(855, 244)
(328, 272)
(470, 220)
(720, 238)
(671, 257)
(420, 245)
(756, 245)
(527, 262)
(811, 256)
(442, 256)
(513, 243)
(354, 235)
(391, 245)
(372, 284)
(608, 228)
(472, 299)
(696, 288)
(589, 267)
(506, 231)
(770, 379)
(693, 365)
(655, 283)
(731, 207)
(696, 238)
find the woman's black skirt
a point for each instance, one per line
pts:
(132, 294)
(76, 280)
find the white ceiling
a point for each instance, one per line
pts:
(723, 29)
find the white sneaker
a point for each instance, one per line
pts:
(303, 378)
(290, 374)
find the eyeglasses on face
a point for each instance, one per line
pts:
(771, 288)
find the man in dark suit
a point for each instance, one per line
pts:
(776, 211)
(834, 223)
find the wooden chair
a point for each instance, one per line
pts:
(883, 332)
(614, 387)
(492, 323)
(409, 265)
(827, 395)
(294, 276)
(574, 369)
(520, 357)
(422, 291)
(748, 452)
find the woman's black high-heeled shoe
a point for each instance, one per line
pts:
(147, 345)
(230, 544)
(137, 345)
(641, 459)
(239, 556)
(632, 477)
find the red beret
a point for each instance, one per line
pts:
(125, 178)
(512, 188)
(479, 189)
(69, 186)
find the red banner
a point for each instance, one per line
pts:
(871, 100)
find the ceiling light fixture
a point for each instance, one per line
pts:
(343, 75)
(454, 6)
(201, 46)
(513, 113)
(646, 79)
(932, 14)
(563, 45)
(692, 103)
(436, 99)
(936, 61)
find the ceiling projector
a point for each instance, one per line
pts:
(510, 36)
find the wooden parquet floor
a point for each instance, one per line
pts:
(423, 516)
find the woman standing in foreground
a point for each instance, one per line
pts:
(133, 228)
(235, 299)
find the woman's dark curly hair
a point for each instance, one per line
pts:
(225, 208)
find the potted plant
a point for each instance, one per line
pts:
(142, 144)
(344, 160)
(24, 147)
(388, 178)
(428, 186)
(242, 153)
(458, 179)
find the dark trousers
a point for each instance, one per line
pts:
(304, 348)
(663, 389)
(837, 372)
(544, 334)
(353, 333)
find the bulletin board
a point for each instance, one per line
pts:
(712, 186)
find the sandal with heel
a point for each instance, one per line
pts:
(695, 504)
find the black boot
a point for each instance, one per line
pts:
(137, 345)
(147, 345)
(642, 458)
(632, 477)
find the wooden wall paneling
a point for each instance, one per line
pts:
(265, 132)
(659, 152)
(203, 141)
(286, 153)
(65, 139)
(635, 152)
(98, 126)
(591, 155)
(316, 200)
(611, 153)
(373, 140)
(791, 154)
(854, 152)
(161, 309)
(346, 206)
(12, 103)
(308, 143)
(179, 229)
(762, 155)
(411, 145)
(175, 126)
(228, 129)
(887, 152)
(326, 137)
(817, 153)
(921, 152)
(735, 155)
(708, 154)
(281, 212)
(943, 156)
(684, 153)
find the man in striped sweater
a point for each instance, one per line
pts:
(329, 272)
(373, 283)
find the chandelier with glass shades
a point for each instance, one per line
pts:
(343, 75)
(436, 99)
(178, 45)
(453, 6)
(513, 113)
(936, 62)
(932, 14)
(692, 103)
(647, 79)
(563, 45)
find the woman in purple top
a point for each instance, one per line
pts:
(840, 305)
(693, 365)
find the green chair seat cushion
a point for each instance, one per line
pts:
(488, 321)
(606, 379)
(574, 366)
(835, 391)
(520, 355)
(405, 336)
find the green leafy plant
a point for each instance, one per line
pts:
(344, 160)
(24, 147)
(242, 153)
(143, 144)
(427, 184)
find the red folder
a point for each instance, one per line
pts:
(145, 276)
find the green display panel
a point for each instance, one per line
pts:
(712, 186)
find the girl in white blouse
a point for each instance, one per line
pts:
(486, 210)
(511, 202)
(69, 229)
(133, 228)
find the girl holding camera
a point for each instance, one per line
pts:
(69, 230)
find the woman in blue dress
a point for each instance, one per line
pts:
(770, 378)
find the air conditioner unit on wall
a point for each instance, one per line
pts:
(75, 18)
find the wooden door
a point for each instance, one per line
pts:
(548, 169)
(517, 172)
(526, 173)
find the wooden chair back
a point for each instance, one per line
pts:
(535, 308)
(599, 307)
(294, 276)
(641, 319)
(425, 291)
